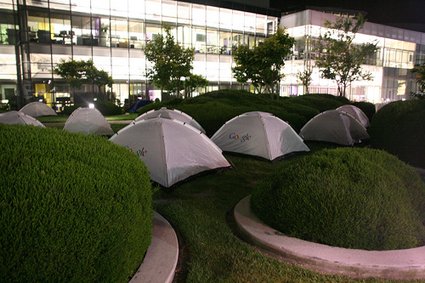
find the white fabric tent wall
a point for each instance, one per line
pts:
(88, 121)
(259, 134)
(18, 118)
(37, 109)
(171, 114)
(356, 113)
(334, 126)
(171, 150)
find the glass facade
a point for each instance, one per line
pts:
(113, 33)
(398, 51)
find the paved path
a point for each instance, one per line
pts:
(160, 261)
(394, 264)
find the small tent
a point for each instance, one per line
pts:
(260, 134)
(334, 126)
(88, 121)
(171, 150)
(37, 109)
(356, 113)
(18, 118)
(171, 114)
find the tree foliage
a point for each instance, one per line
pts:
(77, 73)
(305, 78)
(262, 64)
(172, 64)
(192, 83)
(419, 71)
(340, 59)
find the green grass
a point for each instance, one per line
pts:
(200, 209)
(53, 119)
(347, 197)
(74, 208)
(122, 117)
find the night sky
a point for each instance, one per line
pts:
(402, 13)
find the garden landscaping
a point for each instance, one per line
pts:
(74, 208)
(201, 209)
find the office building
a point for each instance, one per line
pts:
(35, 35)
(398, 51)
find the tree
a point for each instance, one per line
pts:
(305, 78)
(192, 83)
(77, 73)
(171, 63)
(340, 59)
(419, 70)
(262, 64)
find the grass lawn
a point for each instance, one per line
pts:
(199, 210)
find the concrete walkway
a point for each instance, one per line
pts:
(392, 264)
(161, 258)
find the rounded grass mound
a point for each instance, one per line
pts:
(353, 198)
(215, 108)
(74, 208)
(399, 128)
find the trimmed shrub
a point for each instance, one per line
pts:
(353, 198)
(367, 107)
(67, 110)
(213, 109)
(74, 208)
(108, 108)
(321, 102)
(399, 128)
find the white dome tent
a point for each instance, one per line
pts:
(334, 126)
(259, 134)
(18, 118)
(88, 121)
(171, 150)
(356, 113)
(171, 114)
(37, 109)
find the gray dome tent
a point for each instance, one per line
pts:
(356, 113)
(171, 150)
(259, 134)
(37, 109)
(171, 114)
(18, 118)
(88, 121)
(334, 126)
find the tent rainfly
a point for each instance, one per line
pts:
(37, 109)
(356, 113)
(171, 150)
(18, 118)
(88, 121)
(171, 114)
(334, 126)
(260, 134)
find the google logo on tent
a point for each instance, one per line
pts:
(233, 136)
(244, 138)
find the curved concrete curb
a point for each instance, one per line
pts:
(391, 264)
(161, 258)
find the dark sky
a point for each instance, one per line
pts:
(402, 13)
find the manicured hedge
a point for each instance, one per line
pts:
(108, 108)
(367, 107)
(73, 208)
(354, 198)
(213, 109)
(399, 128)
